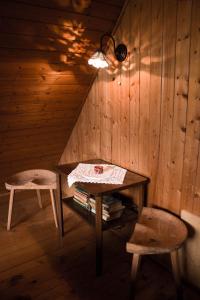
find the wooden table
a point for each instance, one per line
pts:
(97, 191)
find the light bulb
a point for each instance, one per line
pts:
(98, 60)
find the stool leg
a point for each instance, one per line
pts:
(176, 272)
(39, 198)
(12, 191)
(134, 268)
(135, 264)
(54, 208)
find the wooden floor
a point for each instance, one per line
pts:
(34, 264)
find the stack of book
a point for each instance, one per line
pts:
(81, 197)
(112, 208)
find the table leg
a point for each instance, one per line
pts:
(139, 194)
(145, 196)
(140, 199)
(59, 206)
(98, 235)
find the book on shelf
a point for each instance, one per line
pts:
(112, 208)
(109, 217)
(83, 204)
(81, 197)
(80, 190)
(109, 204)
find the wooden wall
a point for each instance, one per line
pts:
(44, 75)
(145, 113)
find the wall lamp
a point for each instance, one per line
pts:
(98, 59)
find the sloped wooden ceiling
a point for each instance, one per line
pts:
(44, 75)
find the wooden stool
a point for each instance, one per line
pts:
(157, 232)
(32, 180)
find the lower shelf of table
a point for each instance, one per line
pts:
(129, 215)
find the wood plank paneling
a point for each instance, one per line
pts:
(45, 77)
(155, 103)
(124, 36)
(29, 30)
(104, 113)
(168, 77)
(92, 8)
(134, 74)
(145, 36)
(115, 119)
(20, 10)
(190, 183)
(180, 102)
(155, 92)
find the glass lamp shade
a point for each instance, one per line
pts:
(98, 60)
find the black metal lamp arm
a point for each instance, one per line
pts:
(120, 51)
(103, 36)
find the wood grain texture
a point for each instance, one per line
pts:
(45, 78)
(180, 101)
(168, 74)
(149, 105)
(34, 264)
(134, 74)
(145, 36)
(190, 180)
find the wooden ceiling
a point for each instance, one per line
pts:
(44, 75)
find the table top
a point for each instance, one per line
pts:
(131, 179)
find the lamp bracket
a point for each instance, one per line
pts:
(120, 51)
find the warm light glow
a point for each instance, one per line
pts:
(98, 60)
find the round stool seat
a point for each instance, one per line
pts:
(157, 232)
(37, 179)
(32, 179)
